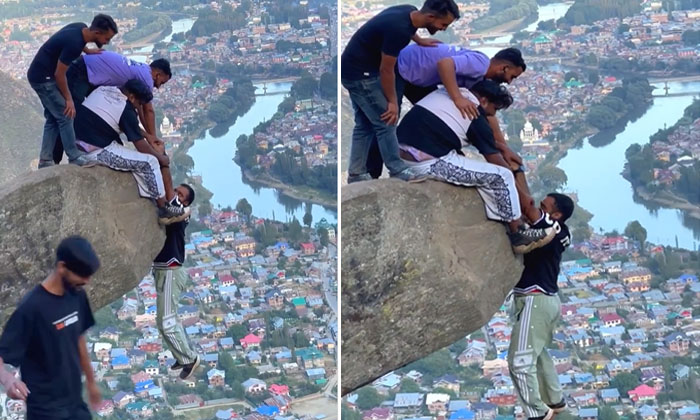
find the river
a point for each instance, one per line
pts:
(594, 173)
(213, 160)
(547, 12)
(213, 157)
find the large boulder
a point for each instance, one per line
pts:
(421, 268)
(39, 209)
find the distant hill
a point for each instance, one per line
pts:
(21, 126)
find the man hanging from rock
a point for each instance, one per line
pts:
(47, 76)
(106, 112)
(367, 72)
(420, 70)
(536, 312)
(431, 136)
(45, 339)
(171, 280)
(111, 69)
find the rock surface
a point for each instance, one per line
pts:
(421, 268)
(39, 209)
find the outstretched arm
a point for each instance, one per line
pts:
(514, 161)
(448, 77)
(148, 118)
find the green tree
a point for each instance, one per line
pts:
(323, 236)
(243, 207)
(552, 178)
(237, 332)
(308, 217)
(624, 382)
(637, 232)
(408, 385)
(347, 413)
(368, 398)
(608, 413)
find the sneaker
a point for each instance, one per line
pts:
(559, 407)
(176, 366)
(169, 214)
(188, 370)
(525, 240)
(359, 178)
(45, 164)
(410, 175)
(84, 161)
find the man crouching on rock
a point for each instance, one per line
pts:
(45, 338)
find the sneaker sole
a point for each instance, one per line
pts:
(194, 368)
(176, 368)
(524, 249)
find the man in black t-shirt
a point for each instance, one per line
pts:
(537, 310)
(106, 112)
(45, 339)
(367, 72)
(171, 280)
(47, 76)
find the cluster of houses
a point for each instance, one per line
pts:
(680, 150)
(613, 322)
(309, 131)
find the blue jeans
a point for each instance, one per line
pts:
(56, 123)
(369, 103)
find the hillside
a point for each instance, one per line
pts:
(21, 125)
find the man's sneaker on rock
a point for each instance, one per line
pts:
(176, 366)
(410, 175)
(525, 240)
(170, 213)
(359, 178)
(84, 161)
(188, 370)
(45, 164)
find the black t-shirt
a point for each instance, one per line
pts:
(66, 45)
(41, 338)
(542, 264)
(173, 251)
(387, 33)
(103, 115)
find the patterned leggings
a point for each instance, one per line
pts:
(144, 167)
(495, 184)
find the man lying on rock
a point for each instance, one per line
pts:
(110, 110)
(431, 137)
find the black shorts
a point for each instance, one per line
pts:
(80, 412)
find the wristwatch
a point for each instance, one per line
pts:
(521, 168)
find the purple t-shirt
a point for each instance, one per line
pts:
(418, 65)
(111, 69)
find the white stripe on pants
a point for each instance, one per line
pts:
(495, 184)
(144, 167)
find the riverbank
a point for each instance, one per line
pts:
(668, 199)
(299, 193)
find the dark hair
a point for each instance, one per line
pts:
(441, 8)
(513, 56)
(137, 87)
(190, 193)
(103, 23)
(564, 204)
(78, 256)
(495, 93)
(163, 65)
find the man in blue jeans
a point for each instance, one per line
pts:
(47, 76)
(367, 72)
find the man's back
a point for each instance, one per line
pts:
(111, 69)
(388, 32)
(542, 264)
(65, 45)
(418, 64)
(41, 338)
(173, 251)
(103, 115)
